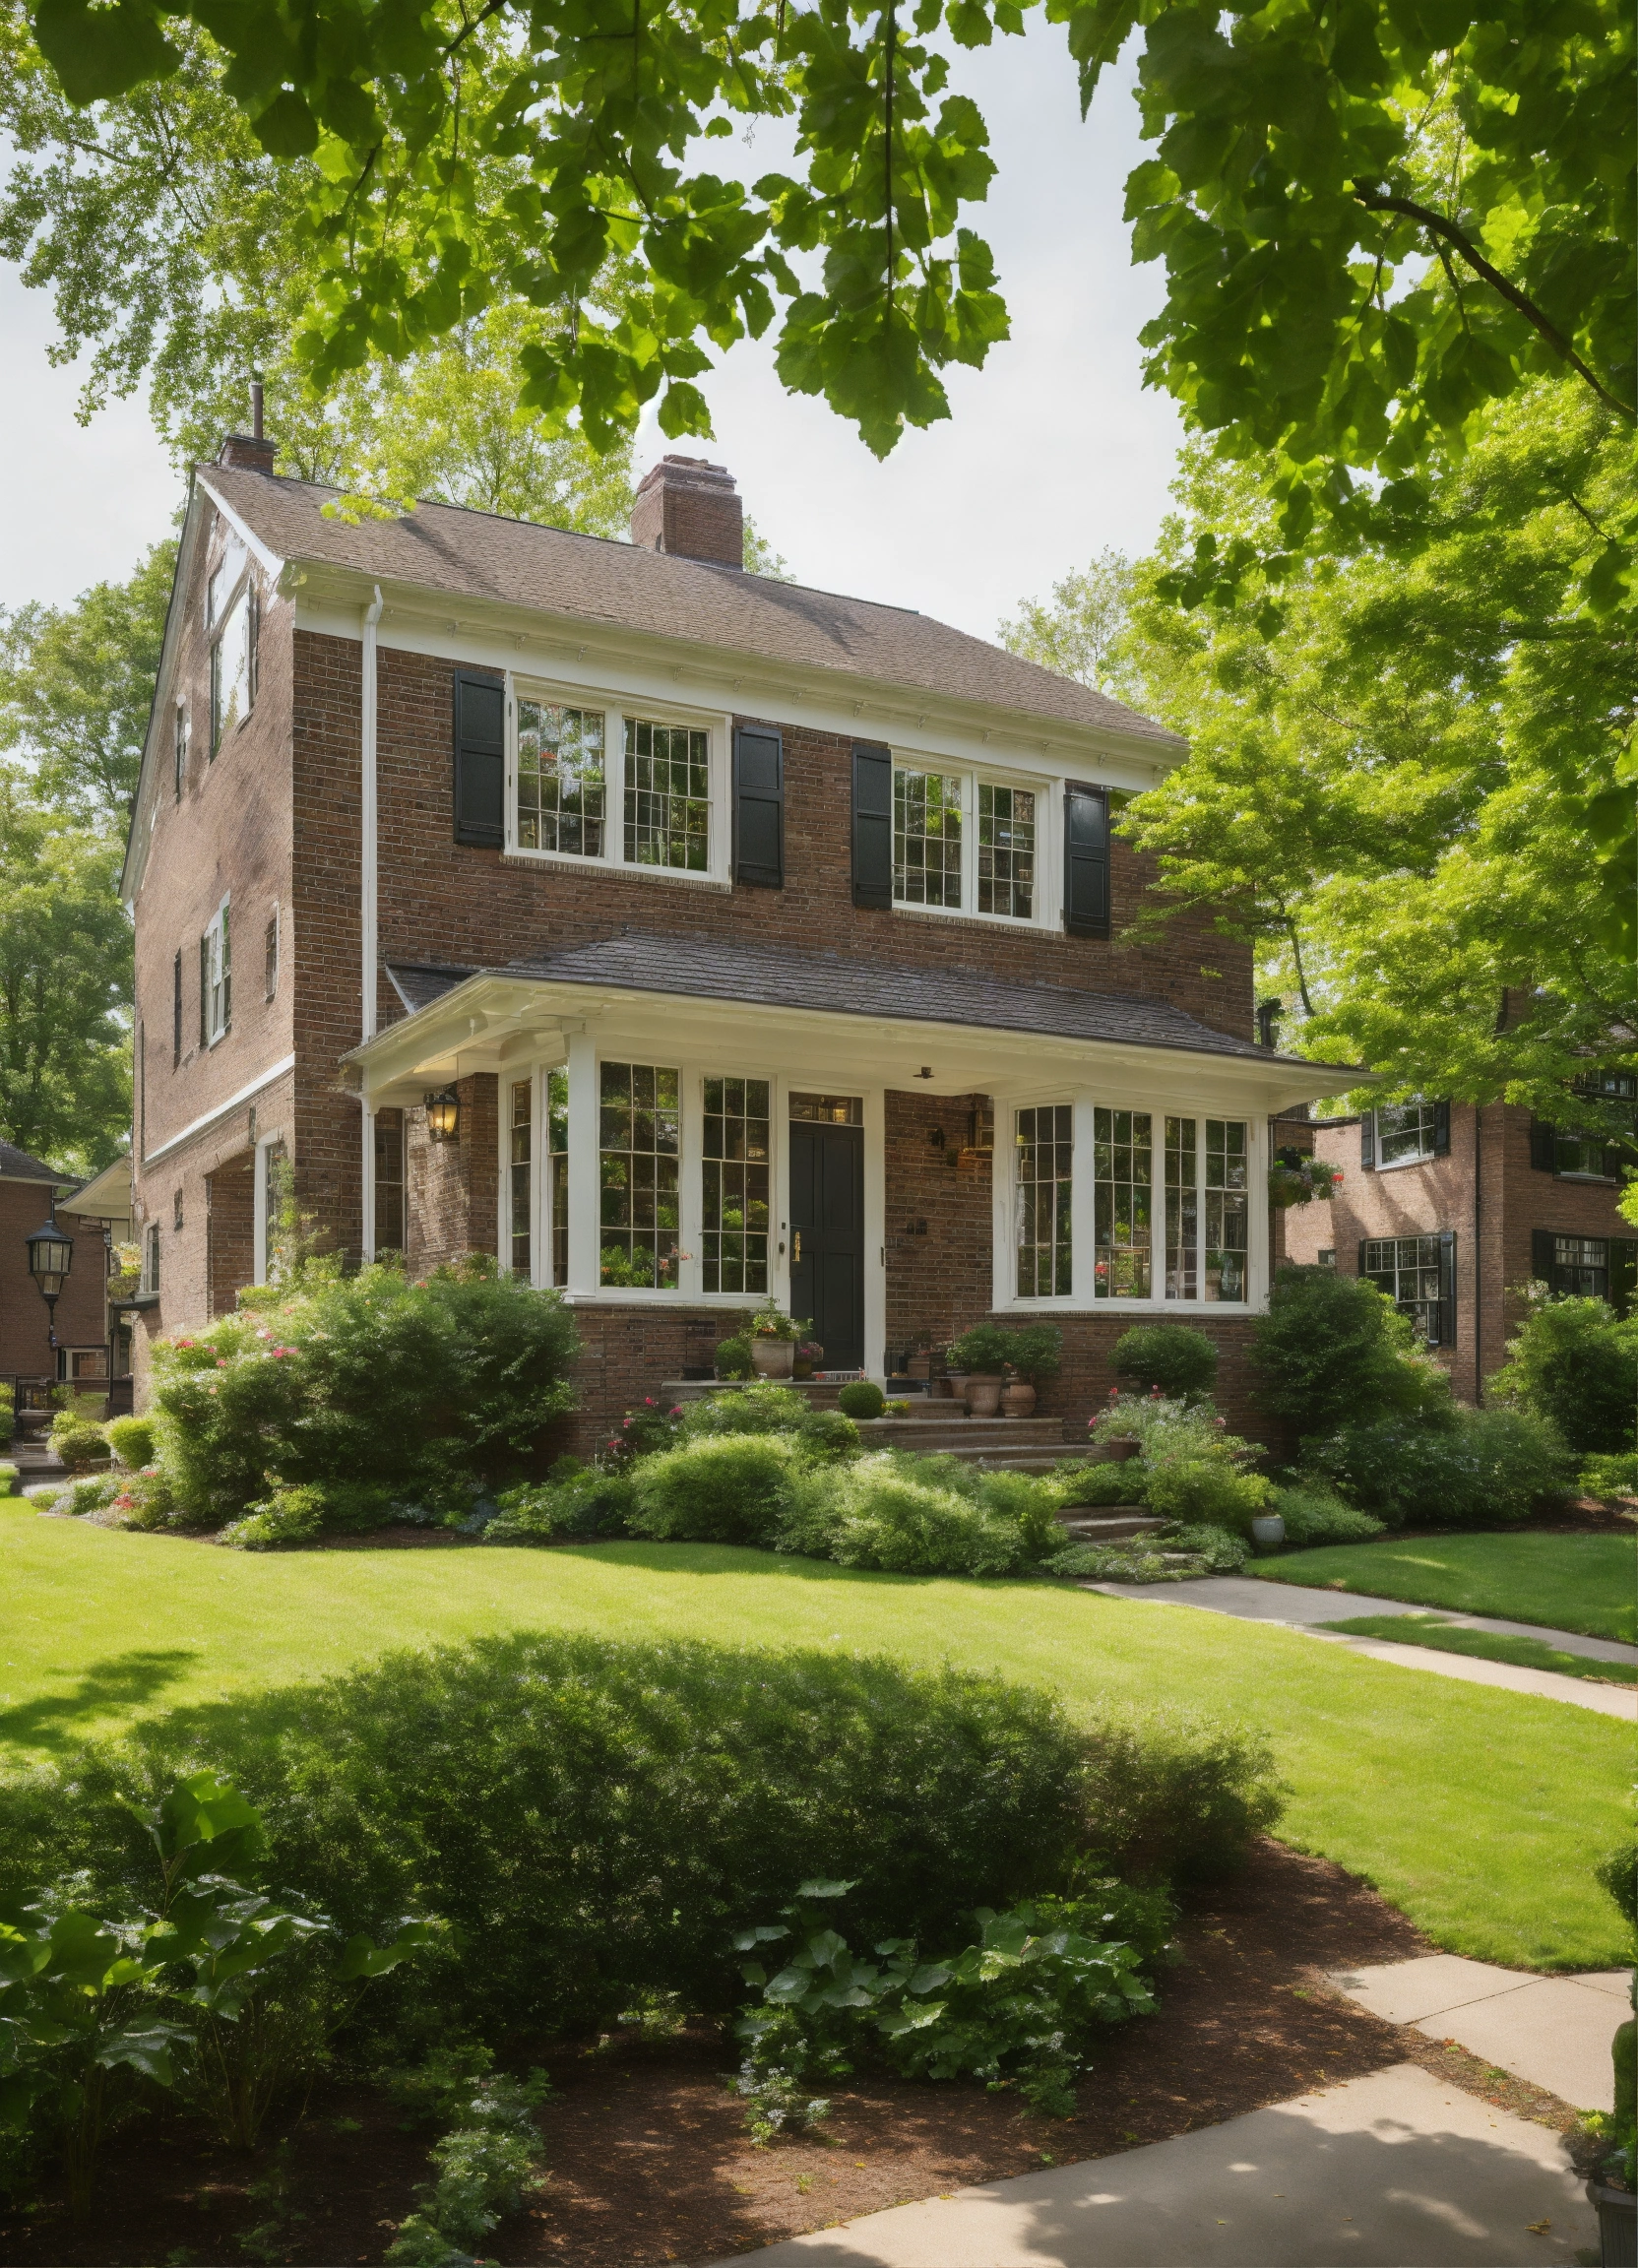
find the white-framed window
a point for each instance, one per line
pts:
(967, 841)
(1404, 1132)
(179, 748)
(1045, 1148)
(606, 781)
(735, 1193)
(231, 621)
(639, 1176)
(216, 978)
(520, 1153)
(151, 1259)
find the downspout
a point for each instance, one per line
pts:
(1478, 1260)
(368, 923)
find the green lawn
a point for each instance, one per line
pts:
(1477, 1812)
(1485, 1645)
(1585, 1583)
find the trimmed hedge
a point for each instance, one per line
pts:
(595, 1819)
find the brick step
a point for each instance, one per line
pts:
(965, 1428)
(1082, 1527)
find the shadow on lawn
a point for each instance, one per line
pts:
(124, 1682)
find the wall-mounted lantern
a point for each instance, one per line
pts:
(443, 1116)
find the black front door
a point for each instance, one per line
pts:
(827, 1237)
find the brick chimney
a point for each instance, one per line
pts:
(249, 452)
(692, 510)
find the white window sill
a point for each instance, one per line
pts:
(567, 861)
(1036, 925)
(1074, 1306)
(641, 1295)
(1397, 1165)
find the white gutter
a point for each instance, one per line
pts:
(368, 907)
(223, 1110)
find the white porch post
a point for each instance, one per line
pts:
(1083, 1209)
(875, 1232)
(582, 1162)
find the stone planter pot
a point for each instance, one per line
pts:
(1121, 1447)
(1268, 1530)
(1017, 1399)
(954, 1383)
(773, 1358)
(1617, 2211)
(983, 1396)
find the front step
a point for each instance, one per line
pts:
(1084, 1527)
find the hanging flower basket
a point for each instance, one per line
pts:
(1293, 1179)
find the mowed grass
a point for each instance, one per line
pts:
(1480, 1812)
(1486, 1646)
(1584, 1583)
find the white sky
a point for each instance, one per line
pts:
(1053, 449)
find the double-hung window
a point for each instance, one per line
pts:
(216, 978)
(964, 842)
(1406, 1132)
(640, 1143)
(609, 784)
(231, 608)
(1409, 1270)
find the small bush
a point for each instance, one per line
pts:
(1122, 1480)
(490, 2162)
(922, 1516)
(300, 1515)
(821, 1434)
(8, 1480)
(1486, 1468)
(862, 1399)
(1333, 1351)
(1618, 1875)
(90, 1495)
(131, 1440)
(1207, 1492)
(982, 1352)
(1314, 1513)
(1180, 1361)
(582, 1507)
(1574, 1363)
(79, 1445)
(1159, 1428)
(1037, 1352)
(732, 1358)
(727, 1489)
(827, 1437)
(146, 1501)
(1611, 1475)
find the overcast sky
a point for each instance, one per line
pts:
(1054, 451)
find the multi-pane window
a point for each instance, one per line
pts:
(638, 1157)
(557, 1170)
(215, 979)
(1182, 1209)
(1046, 1147)
(177, 1012)
(1006, 850)
(1406, 1269)
(1123, 1192)
(1227, 1209)
(561, 781)
(389, 1182)
(668, 817)
(519, 1148)
(926, 839)
(1581, 1266)
(829, 1109)
(150, 1258)
(734, 1174)
(1404, 1132)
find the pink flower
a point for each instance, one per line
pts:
(279, 1353)
(675, 1410)
(222, 1361)
(183, 1342)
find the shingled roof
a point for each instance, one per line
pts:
(481, 557)
(710, 968)
(17, 1166)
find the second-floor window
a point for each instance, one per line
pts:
(215, 979)
(1406, 1132)
(615, 787)
(964, 842)
(232, 610)
(179, 750)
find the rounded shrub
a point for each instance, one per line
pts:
(1108, 1482)
(720, 1488)
(1485, 1469)
(79, 1445)
(732, 1358)
(580, 1507)
(763, 1409)
(1334, 1351)
(1207, 1492)
(1575, 1363)
(982, 1352)
(131, 1440)
(1314, 1513)
(911, 1526)
(863, 1398)
(1180, 1361)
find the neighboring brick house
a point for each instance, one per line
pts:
(1451, 1209)
(673, 933)
(27, 1190)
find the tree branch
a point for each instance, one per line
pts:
(1448, 232)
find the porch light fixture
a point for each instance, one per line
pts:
(50, 1256)
(925, 1072)
(443, 1116)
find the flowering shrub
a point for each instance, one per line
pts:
(417, 1388)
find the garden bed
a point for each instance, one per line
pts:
(650, 2162)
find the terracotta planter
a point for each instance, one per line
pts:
(773, 1358)
(1123, 1446)
(1017, 1399)
(983, 1396)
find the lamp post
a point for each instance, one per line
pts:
(50, 1256)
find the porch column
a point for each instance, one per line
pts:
(584, 1195)
(1083, 1210)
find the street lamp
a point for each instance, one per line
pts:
(50, 1256)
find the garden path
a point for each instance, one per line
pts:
(1391, 2168)
(1554, 2031)
(1301, 1609)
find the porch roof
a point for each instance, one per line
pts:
(642, 965)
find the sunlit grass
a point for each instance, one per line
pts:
(1584, 1583)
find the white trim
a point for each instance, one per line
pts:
(271, 562)
(368, 983)
(222, 1110)
(265, 1143)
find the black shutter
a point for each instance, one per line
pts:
(1540, 1254)
(1612, 1156)
(1086, 861)
(480, 760)
(759, 806)
(1624, 1274)
(1368, 1139)
(1361, 1266)
(1540, 1146)
(1441, 1129)
(1447, 1286)
(873, 826)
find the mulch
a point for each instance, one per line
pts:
(649, 2161)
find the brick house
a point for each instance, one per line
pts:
(1451, 1209)
(675, 934)
(29, 1190)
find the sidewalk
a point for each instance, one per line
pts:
(1554, 2031)
(1298, 1606)
(1393, 2170)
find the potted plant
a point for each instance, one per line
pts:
(809, 1355)
(775, 1338)
(1036, 1356)
(1603, 2146)
(979, 1357)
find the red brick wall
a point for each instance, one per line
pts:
(230, 1230)
(453, 1187)
(24, 1323)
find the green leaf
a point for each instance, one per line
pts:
(102, 51)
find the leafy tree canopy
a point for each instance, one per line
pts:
(65, 987)
(1375, 789)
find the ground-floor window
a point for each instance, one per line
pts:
(520, 1153)
(639, 1145)
(557, 1171)
(1413, 1272)
(1123, 1201)
(1046, 1176)
(734, 1173)
(1227, 1209)
(1581, 1266)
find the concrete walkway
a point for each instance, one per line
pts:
(1393, 2170)
(1300, 1606)
(1554, 2031)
